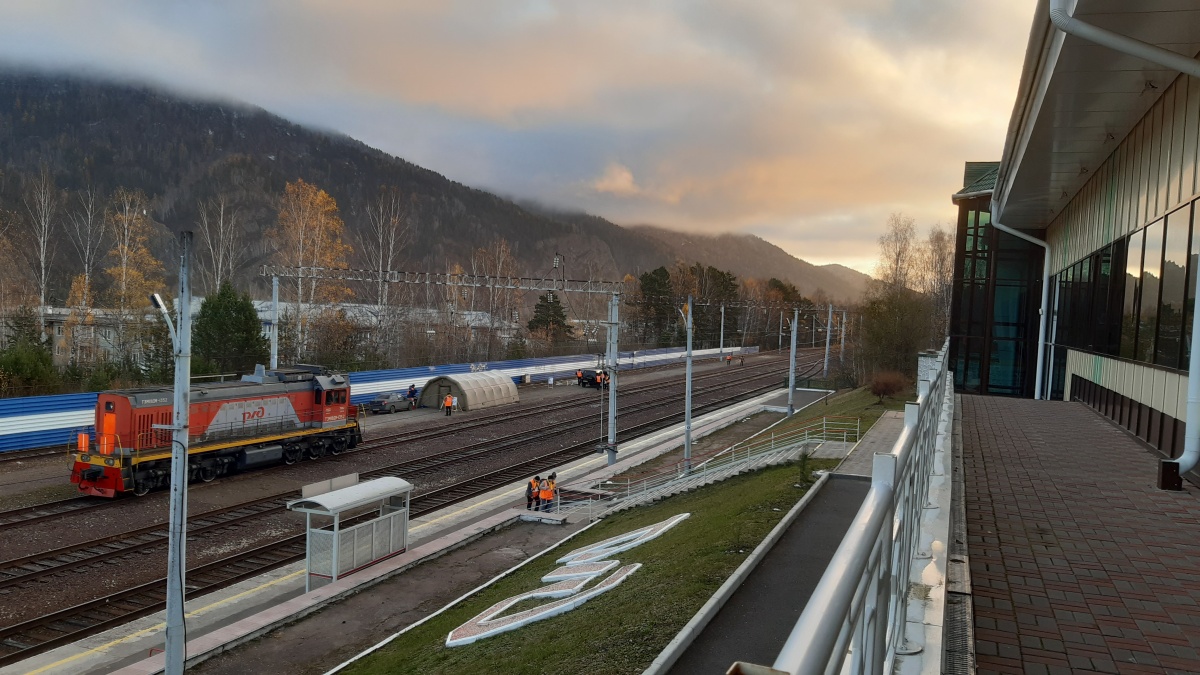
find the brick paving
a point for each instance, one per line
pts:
(1078, 563)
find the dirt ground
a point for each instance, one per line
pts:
(320, 641)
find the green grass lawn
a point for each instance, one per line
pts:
(623, 630)
(860, 403)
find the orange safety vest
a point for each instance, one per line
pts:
(534, 488)
(448, 401)
(578, 374)
(546, 490)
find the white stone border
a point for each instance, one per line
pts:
(682, 640)
(462, 597)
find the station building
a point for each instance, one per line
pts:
(1095, 196)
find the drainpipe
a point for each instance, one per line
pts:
(1045, 310)
(1170, 471)
(1060, 16)
(1191, 426)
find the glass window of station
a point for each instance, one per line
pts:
(1132, 299)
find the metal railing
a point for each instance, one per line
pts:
(859, 607)
(759, 449)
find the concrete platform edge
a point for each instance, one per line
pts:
(682, 640)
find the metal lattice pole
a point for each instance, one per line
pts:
(792, 365)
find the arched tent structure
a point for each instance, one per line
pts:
(475, 391)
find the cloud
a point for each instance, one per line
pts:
(784, 118)
(617, 180)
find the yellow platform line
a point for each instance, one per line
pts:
(159, 626)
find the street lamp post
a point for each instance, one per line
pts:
(181, 340)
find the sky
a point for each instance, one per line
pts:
(804, 122)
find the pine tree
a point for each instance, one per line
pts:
(227, 334)
(550, 320)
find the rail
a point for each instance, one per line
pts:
(860, 606)
(822, 429)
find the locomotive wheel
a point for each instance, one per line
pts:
(291, 455)
(339, 444)
(208, 473)
(316, 451)
(140, 488)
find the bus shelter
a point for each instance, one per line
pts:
(354, 539)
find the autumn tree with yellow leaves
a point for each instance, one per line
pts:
(310, 233)
(133, 271)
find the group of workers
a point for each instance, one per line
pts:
(539, 493)
(729, 360)
(602, 378)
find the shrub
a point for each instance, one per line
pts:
(887, 383)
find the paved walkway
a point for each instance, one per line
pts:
(759, 616)
(757, 619)
(881, 437)
(1078, 563)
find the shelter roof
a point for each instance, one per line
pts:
(345, 499)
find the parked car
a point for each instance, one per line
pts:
(390, 403)
(591, 378)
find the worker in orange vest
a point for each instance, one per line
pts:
(533, 495)
(579, 377)
(546, 493)
(448, 404)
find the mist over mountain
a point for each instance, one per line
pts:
(181, 150)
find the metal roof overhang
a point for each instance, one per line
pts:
(1077, 100)
(345, 499)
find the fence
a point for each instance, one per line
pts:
(756, 451)
(42, 421)
(860, 606)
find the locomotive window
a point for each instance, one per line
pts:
(329, 398)
(317, 397)
(341, 396)
(108, 405)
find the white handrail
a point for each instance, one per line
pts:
(859, 607)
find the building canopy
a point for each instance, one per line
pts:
(475, 391)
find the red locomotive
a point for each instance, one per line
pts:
(283, 415)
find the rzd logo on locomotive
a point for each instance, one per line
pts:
(256, 414)
(566, 583)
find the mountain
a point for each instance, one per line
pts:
(181, 150)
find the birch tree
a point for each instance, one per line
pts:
(309, 233)
(133, 271)
(222, 240)
(87, 233)
(496, 260)
(42, 201)
(384, 241)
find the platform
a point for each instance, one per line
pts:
(1078, 562)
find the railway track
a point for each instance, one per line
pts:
(32, 514)
(35, 566)
(32, 453)
(64, 626)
